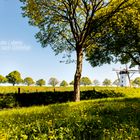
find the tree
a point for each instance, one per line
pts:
(70, 25)
(120, 39)
(3, 79)
(137, 81)
(63, 83)
(14, 77)
(40, 82)
(72, 82)
(132, 83)
(96, 82)
(28, 81)
(85, 81)
(53, 81)
(116, 82)
(107, 82)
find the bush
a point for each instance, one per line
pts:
(43, 96)
(7, 101)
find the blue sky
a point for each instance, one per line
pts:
(20, 51)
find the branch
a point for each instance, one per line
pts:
(131, 56)
(61, 33)
(74, 17)
(68, 12)
(110, 15)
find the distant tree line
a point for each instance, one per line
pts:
(15, 78)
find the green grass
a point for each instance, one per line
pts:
(101, 119)
(32, 89)
(46, 95)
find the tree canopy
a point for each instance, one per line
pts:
(137, 81)
(40, 82)
(96, 82)
(120, 39)
(64, 83)
(85, 81)
(3, 79)
(28, 81)
(116, 82)
(14, 77)
(53, 81)
(72, 82)
(107, 82)
(71, 25)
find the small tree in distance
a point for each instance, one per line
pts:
(85, 81)
(96, 82)
(63, 83)
(107, 82)
(116, 82)
(132, 83)
(40, 82)
(71, 83)
(14, 78)
(28, 81)
(3, 79)
(137, 81)
(53, 81)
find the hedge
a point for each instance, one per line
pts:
(44, 98)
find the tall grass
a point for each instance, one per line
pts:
(32, 89)
(101, 119)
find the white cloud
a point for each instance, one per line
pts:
(14, 45)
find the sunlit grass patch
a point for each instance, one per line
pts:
(94, 119)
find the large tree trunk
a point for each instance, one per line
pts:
(77, 76)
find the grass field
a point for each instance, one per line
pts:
(98, 119)
(101, 119)
(32, 89)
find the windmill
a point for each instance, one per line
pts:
(124, 75)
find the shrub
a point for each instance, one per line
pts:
(43, 95)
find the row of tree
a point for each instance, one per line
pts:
(107, 82)
(134, 83)
(14, 77)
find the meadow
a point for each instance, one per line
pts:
(26, 96)
(100, 119)
(32, 89)
(115, 118)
